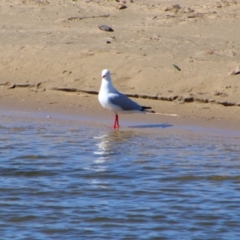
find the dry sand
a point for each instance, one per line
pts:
(57, 44)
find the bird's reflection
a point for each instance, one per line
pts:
(109, 146)
(109, 142)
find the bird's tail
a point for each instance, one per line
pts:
(146, 109)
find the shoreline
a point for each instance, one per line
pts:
(87, 110)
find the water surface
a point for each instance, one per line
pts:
(73, 181)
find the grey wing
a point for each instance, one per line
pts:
(123, 102)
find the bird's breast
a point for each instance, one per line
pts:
(103, 98)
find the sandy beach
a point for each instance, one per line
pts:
(179, 57)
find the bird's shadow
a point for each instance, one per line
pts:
(163, 125)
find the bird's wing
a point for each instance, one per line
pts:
(124, 103)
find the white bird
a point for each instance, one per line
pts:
(110, 98)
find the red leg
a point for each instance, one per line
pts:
(116, 123)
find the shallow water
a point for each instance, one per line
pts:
(71, 181)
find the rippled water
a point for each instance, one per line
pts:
(67, 181)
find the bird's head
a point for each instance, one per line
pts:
(106, 74)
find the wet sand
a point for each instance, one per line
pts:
(178, 54)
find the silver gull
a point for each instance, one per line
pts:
(110, 98)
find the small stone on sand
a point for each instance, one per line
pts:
(105, 28)
(121, 6)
